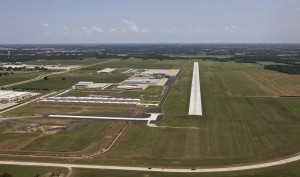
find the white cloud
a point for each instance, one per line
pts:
(124, 30)
(113, 30)
(87, 30)
(145, 30)
(48, 33)
(255, 14)
(199, 29)
(45, 24)
(66, 28)
(92, 29)
(131, 25)
(231, 29)
(167, 31)
(97, 29)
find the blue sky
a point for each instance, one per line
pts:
(149, 21)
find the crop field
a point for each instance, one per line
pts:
(242, 122)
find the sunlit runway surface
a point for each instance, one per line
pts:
(195, 97)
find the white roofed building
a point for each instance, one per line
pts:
(106, 70)
(12, 96)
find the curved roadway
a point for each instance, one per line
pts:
(170, 170)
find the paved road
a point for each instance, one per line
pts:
(153, 117)
(170, 170)
(195, 97)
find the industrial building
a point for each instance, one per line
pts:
(106, 71)
(82, 84)
(160, 72)
(92, 100)
(129, 87)
(12, 96)
(90, 85)
(141, 80)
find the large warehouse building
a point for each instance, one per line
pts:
(12, 96)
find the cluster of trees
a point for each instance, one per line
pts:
(33, 89)
(23, 69)
(6, 74)
(12, 69)
(8, 175)
(289, 69)
(5, 175)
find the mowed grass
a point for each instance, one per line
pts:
(30, 171)
(15, 141)
(201, 56)
(45, 109)
(179, 98)
(74, 140)
(242, 123)
(85, 61)
(56, 82)
(18, 76)
(235, 79)
(153, 90)
(135, 63)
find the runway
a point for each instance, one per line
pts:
(195, 97)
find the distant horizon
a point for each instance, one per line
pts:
(143, 21)
(158, 43)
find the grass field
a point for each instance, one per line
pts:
(19, 76)
(135, 63)
(56, 82)
(15, 141)
(37, 108)
(74, 140)
(152, 93)
(85, 61)
(245, 118)
(242, 121)
(19, 171)
(179, 98)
